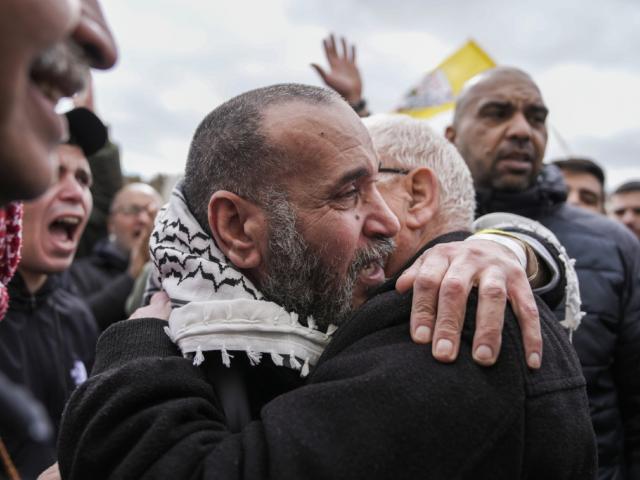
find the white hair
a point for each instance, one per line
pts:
(412, 143)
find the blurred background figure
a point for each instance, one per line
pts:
(108, 179)
(585, 182)
(107, 276)
(625, 205)
(44, 48)
(47, 339)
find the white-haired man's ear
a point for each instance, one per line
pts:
(239, 227)
(425, 197)
(450, 134)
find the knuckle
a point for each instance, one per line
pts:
(424, 309)
(453, 286)
(492, 331)
(475, 250)
(441, 250)
(447, 327)
(536, 340)
(530, 310)
(494, 290)
(425, 282)
(514, 269)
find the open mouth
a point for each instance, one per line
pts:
(372, 275)
(64, 228)
(60, 71)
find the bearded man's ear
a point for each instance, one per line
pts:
(239, 227)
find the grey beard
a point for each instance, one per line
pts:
(305, 281)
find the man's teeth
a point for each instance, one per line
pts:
(369, 269)
(68, 220)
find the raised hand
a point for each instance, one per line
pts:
(343, 76)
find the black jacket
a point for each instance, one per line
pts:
(376, 406)
(107, 180)
(608, 341)
(103, 280)
(47, 344)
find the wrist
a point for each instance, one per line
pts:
(359, 105)
(522, 250)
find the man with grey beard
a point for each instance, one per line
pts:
(302, 279)
(259, 258)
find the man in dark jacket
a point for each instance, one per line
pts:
(499, 127)
(106, 277)
(377, 405)
(47, 339)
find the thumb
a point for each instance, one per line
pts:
(406, 279)
(320, 71)
(159, 298)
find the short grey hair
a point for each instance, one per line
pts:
(413, 143)
(231, 151)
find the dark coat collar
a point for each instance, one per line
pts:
(548, 193)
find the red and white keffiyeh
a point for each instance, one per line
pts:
(10, 239)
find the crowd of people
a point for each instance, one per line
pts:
(327, 293)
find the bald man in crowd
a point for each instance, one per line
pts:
(106, 277)
(499, 127)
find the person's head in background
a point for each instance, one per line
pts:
(499, 128)
(625, 205)
(54, 222)
(132, 213)
(585, 182)
(46, 47)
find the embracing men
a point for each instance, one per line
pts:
(272, 240)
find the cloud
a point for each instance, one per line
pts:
(589, 100)
(536, 34)
(180, 59)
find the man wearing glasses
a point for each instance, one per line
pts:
(107, 276)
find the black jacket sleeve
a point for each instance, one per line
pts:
(108, 302)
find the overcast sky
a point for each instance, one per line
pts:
(181, 58)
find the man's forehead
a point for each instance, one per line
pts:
(136, 195)
(504, 87)
(311, 133)
(72, 157)
(627, 198)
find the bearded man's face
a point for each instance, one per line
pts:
(307, 281)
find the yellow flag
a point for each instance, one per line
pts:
(438, 89)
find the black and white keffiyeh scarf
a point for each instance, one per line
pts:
(215, 306)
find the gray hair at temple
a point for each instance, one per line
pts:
(413, 143)
(231, 151)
